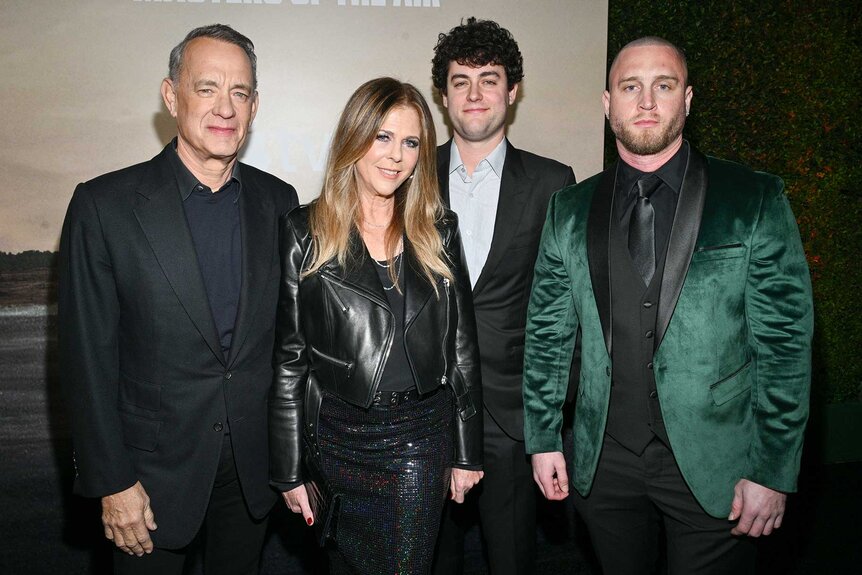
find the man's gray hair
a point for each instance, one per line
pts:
(220, 32)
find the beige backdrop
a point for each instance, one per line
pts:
(80, 82)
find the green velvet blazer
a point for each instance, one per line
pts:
(733, 357)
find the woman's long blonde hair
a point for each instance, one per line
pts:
(335, 214)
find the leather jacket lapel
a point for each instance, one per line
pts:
(417, 290)
(360, 273)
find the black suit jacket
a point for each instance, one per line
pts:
(502, 290)
(147, 387)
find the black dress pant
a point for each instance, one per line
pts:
(230, 538)
(634, 497)
(506, 502)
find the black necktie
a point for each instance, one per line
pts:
(642, 227)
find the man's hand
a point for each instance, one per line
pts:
(461, 482)
(758, 508)
(549, 471)
(297, 501)
(128, 520)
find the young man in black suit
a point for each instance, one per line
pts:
(168, 285)
(500, 194)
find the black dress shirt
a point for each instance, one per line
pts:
(663, 199)
(214, 223)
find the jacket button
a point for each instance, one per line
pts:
(653, 394)
(647, 304)
(649, 366)
(608, 370)
(649, 334)
(228, 375)
(217, 426)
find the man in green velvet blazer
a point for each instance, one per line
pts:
(695, 365)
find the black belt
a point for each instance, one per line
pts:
(395, 398)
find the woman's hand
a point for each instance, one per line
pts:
(297, 501)
(461, 482)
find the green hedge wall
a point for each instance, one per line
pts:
(777, 86)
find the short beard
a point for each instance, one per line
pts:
(645, 143)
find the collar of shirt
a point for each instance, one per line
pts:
(187, 181)
(495, 160)
(671, 174)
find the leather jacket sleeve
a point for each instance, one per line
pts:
(290, 361)
(464, 373)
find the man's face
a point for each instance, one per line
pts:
(477, 100)
(213, 101)
(647, 99)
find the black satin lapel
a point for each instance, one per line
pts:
(514, 186)
(443, 170)
(417, 290)
(257, 229)
(161, 216)
(683, 236)
(598, 252)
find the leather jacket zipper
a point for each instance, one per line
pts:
(333, 293)
(443, 379)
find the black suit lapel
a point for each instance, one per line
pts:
(257, 229)
(683, 236)
(598, 252)
(443, 170)
(159, 211)
(514, 185)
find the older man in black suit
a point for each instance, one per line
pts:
(500, 194)
(168, 286)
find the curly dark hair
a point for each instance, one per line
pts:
(476, 43)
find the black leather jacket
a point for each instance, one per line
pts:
(334, 331)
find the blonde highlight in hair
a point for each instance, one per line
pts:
(335, 214)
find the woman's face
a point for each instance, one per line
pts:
(392, 156)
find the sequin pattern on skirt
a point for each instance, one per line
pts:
(393, 467)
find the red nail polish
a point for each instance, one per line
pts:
(309, 520)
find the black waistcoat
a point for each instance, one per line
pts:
(634, 416)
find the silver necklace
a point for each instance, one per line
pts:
(400, 264)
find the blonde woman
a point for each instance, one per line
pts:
(376, 356)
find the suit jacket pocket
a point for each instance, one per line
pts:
(140, 432)
(731, 386)
(139, 393)
(718, 252)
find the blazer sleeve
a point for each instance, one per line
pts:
(468, 417)
(549, 339)
(88, 318)
(779, 310)
(291, 366)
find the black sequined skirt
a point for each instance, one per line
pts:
(393, 466)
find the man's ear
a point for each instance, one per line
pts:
(254, 103)
(513, 93)
(169, 96)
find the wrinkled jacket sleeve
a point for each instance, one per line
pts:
(778, 305)
(290, 362)
(468, 414)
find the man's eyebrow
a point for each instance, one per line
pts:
(482, 75)
(664, 77)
